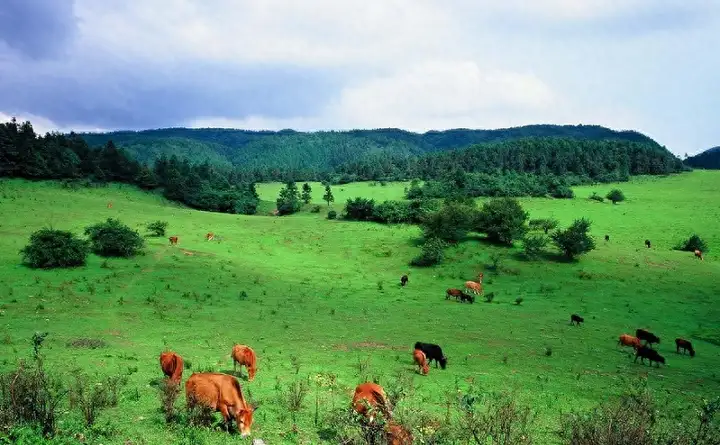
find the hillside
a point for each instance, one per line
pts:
(709, 159)
(327, 150)
(320, 303)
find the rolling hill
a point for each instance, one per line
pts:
(709, 159)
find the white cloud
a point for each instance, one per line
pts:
(43, 125)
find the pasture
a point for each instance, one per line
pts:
(324, 304)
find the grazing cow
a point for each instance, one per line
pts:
(648, 353)
(396, 434)
(109, 205)
(649, 337)
(474, 287)
(368, 398)
(403, 280)
(173, 240)
(432, 352)
(607, 237)
(244, 355)
(452, 292)
(575, 318)
(172, 366)
(420, 360)
(629, 340)
(698, 254)
(465, 297)
(647, 243)
(223, 393)
(685, 345)
(210, 236)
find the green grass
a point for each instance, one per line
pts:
(327, 292)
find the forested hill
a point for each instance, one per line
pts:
(709, 159)
(325, 151)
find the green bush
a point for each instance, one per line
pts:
(544, 224)
(503, 220)
(315, 209)
(596, 197)
(533, 245)
(114, 239)
(432, 253)
(615, 196)
(562, 192)
(332, 214)
(50, 248)
(157, 228)
(451, 223)
(692, 244)
(574, 240)
(360, 209)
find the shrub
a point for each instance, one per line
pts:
(50, 248)
(315, 209)
(692, 244)
(91, 398)
(494, 417)
(157, 228)
(544, 224)
(451, 223)
(503, 220)
(615, 196)
(489, 297)
(596, 197)
(562, 192)
(114, 239)
(359, 209)
(519, 300)
(332, 214)
(533, 245)
(574, 240)
(393, 212)
(431, 254)
(169, 392)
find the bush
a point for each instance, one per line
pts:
(393, 212)
(332, 214)
(91, 398)
(157, 228)
(562, 192)
(692, 244)
(50, 248)
(574, 240)
(615, 196)
(544, 224)
(503, 220)
(533, 245)
(596, 197)
(431, 254)
(169, 392)
(360, 209)
(315, 209)
(114, 239)
(494, 417)
(451, 223)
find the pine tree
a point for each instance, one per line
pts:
(288, 201)
(328, 196)
(306, 193)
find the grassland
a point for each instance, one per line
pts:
(327, 293)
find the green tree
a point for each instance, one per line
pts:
(616, 195)
(533, 245)
(544, 224)
(502, 220)
(306, 193)
(50, 248)
(157, 228)
(451, 223)
(114, 239)
(574, 240)
(328, 196)
(432, 253)
(289, 200)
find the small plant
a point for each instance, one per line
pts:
(596, 197)
(315, 209)
(114, 239)
(518, 301)
(50, 248)
(692, 244)
(615, 195)
(489, 297)
(89, 343)
(169, 392)
(243, 296)
(548, 351)
(380, 286)
(89, 398)
(495, 418)
(294, 396)
(332, 214)
(157, 228)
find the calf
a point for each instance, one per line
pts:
(698, 254)
(576, 319)
(685, 345)
(432, 352)
(648, 353)
(403, 280)
(647, 243)
(629, 340)
(420, 360)
(244, 356)
(465, 297)
(453, 293)
(173, 239)
(649, 337)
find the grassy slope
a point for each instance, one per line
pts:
(314, 293)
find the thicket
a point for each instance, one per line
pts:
(49, 248)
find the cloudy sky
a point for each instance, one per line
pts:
(649, 65)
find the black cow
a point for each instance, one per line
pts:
(465, 297)
(607, 237)
(575, 318)
(647, 243)
(685, 345)
(648, 336)
(648, 353)
(403, 280)
(432, 352)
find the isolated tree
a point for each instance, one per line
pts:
(328, 196)
(306, 193)
(289, 200)
(615, 195)
(502, 220)
(574, 240)
(50, 248)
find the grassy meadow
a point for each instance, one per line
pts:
(323, 298)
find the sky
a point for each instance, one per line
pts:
(95, 65)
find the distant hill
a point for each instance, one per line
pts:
(327, 150)
(709, 159)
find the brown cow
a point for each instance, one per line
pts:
(173, 240)
(210, 236)
(396, 434)
(629, 340)
(172, 366)
(244, 356)
(223, 393)
(109, 205)
(420, 360)
(452, 292)
(368, 398)
(474, 287)
(698, 254)
(685, 345)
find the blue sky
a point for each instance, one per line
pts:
(648, 65)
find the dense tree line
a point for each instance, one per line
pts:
(204, 186)
(709, 159)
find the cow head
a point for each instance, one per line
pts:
(244, 419)
(443, 362)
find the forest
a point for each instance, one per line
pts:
(709, 159)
